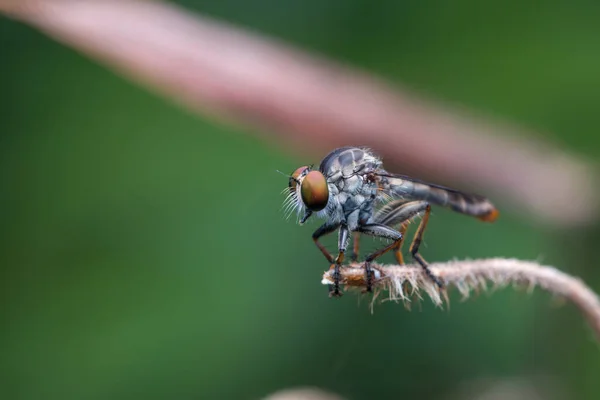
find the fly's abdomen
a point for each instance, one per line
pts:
(464, 203)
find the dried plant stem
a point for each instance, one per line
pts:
(402, 282)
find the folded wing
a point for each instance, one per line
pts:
(409, 189)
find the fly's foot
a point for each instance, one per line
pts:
(437, 281)
(368, 277)
(334, 290)
(433, 278)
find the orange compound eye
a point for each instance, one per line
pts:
(295, 177)
(314, 190)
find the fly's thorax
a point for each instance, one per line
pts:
(352, 192)
(351, 202)
(348, 161)
(334, 211)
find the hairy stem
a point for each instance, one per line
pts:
(402, 282)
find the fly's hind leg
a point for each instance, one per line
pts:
(414, 248)
(400, 212)
(383, 231)
(398, 249)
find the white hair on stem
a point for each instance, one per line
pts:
(402, 283)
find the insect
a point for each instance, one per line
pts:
(354, 195)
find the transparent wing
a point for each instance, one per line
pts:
(408, 189)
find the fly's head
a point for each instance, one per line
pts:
(307, 192)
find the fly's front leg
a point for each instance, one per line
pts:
(342, 243)
(382, 231)
(355, 247)
(344, 235)
(414, 248)
(324, 230)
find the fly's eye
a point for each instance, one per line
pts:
(295, 178)
(314, 190)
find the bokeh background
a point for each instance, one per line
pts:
(143, 252)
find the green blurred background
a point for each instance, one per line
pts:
(143, 253)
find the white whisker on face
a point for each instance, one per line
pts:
(290, 203)
(289, 210)
(287, 206)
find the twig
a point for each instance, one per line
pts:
(308, 393)
(402, 282)
(313, 103)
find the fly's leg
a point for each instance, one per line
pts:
(414, 248)
(382, 231)
(326, 229)
(400, 212)
(344, 235)
(322, 231)
(355, 247)
(398, 249)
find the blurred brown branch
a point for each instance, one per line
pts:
(303, 394)
(314, 104)
(403, 282)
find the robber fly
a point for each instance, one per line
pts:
(354, 194)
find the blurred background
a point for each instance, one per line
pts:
(144, 254)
